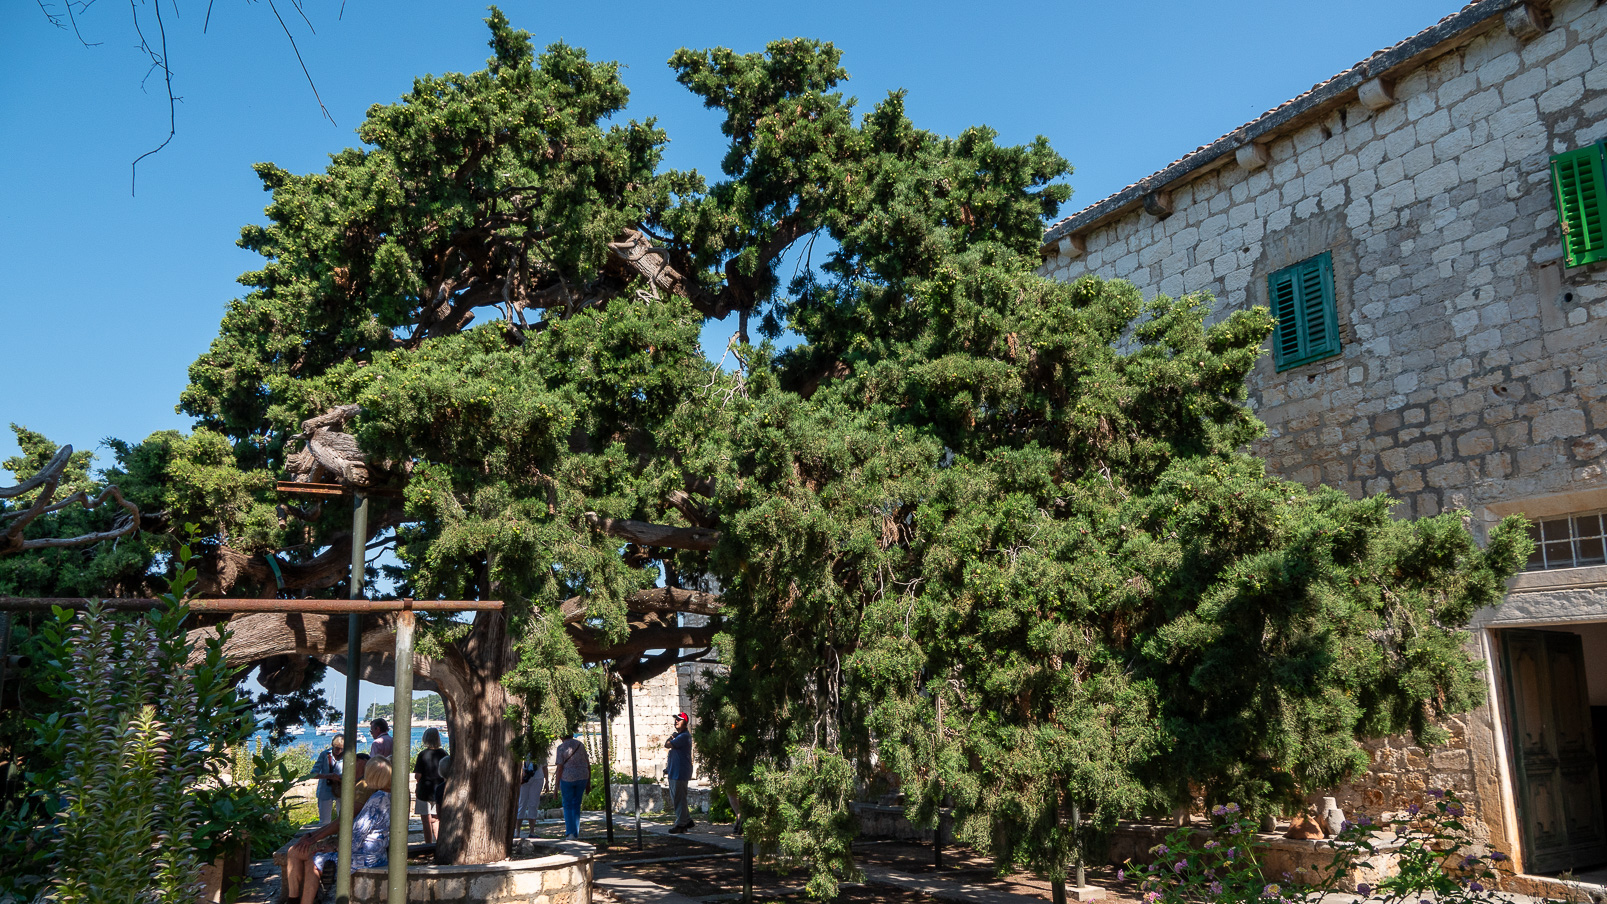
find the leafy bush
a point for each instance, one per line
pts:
(128, 761)
(1224, 868)
(1437, 857)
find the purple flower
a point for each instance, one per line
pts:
(1219, 810)
(1209, 845)
(1345, 824)
(1271, 891)
(1413, 809)
(1215, 888)
(1151, 896)
(1121, 875)
(1363, 889)
(1232, 852)
(1233, 829)
(1364, 820)
(1476, 887)
(1180, 865)
(1497, 856)
(1436, 793)
(1162, 850)
(1454, 810)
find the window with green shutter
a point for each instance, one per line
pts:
(1302, 298)
(1581, 194)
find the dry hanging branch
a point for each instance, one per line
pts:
(46, 481)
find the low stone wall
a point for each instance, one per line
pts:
(1303, 861)
(563, 876)
(884, 821)
(656, 799)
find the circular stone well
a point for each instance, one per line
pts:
(556, 872)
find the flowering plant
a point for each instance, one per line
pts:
(1437, 857)
(1224, 868)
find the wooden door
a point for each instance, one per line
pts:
(1553, 751)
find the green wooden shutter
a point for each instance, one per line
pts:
(1581, 195)
(1302, 299)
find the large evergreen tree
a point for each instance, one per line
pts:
(995, 534)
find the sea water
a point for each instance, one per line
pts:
(316, 742)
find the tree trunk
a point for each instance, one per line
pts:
(474, 817)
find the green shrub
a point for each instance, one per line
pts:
(129, 756)
(1437, 856)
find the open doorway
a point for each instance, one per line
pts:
(1556, 683)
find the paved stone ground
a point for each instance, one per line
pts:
(704, 866)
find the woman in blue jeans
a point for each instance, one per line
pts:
(574, 776)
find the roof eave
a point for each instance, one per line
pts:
(1443, 37)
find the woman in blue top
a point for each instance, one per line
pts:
(371, 838)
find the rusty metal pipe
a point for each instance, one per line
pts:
(331, 607)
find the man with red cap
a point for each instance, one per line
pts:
(680, 771)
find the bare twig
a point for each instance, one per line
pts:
(167, 78)
(301, 61)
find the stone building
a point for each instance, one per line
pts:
(1440, 339)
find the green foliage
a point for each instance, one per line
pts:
(1434, 852)
(593, 799)
(1018, 554)
(996, 533)
(1223, 868)
(1437, 855)
(110, 568)
(127, 762)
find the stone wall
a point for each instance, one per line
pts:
(559, 878)
(1471, 374)
(1471, 368)
(657, 700)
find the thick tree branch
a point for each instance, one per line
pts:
(693, 538)
(659, 599)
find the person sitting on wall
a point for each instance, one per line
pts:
(679, 771)
(427, 767)
(321, 839)
(307, 860)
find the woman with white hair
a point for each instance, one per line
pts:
(371, 836)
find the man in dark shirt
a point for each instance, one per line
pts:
(680, 771)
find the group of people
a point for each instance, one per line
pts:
(572, 763)
(314, 855)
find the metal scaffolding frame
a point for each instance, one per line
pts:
(355, 608)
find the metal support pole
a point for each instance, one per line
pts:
(937, 830)
(5, 652)
(401, 769)
(608, 769)
(1076, 830)
(354, 663)
(747, 871)
(636, 781)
